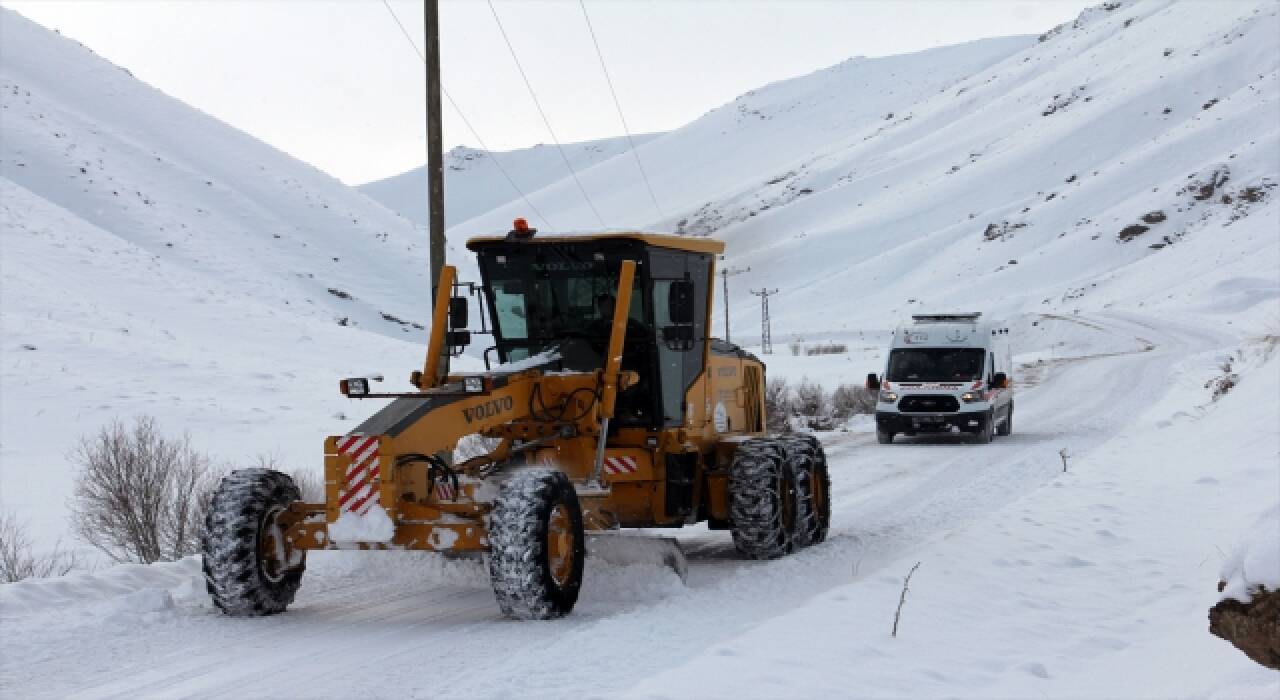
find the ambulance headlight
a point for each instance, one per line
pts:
(888, 397)
(972, 397)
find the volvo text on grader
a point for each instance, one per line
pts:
(612, 407)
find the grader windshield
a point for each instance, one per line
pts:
(560, 296)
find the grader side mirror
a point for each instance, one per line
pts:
(873, 382)
(458, 312)
(680, 302)
(679, 338)
(456, 341)
(1000, 381)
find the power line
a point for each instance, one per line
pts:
(545, 121)
(474, 134)
(621, 118)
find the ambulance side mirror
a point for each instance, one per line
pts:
(873, 382)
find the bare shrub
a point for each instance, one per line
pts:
(17, 560)
(849, 400)
(310, 482)
(1219, 386)
(827, 349)
(778, 406)
(811, 400)
(140, 496)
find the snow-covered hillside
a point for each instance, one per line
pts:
(1004, 174)
(156, 261)
(474, 184)
(202, 197)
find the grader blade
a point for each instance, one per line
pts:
(629, 550)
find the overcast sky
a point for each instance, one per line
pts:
(335, 83)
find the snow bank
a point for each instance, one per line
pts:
(134, 588)
(1254, 563)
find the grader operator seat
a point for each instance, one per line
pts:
(555, 293)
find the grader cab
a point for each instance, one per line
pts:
(605, 405)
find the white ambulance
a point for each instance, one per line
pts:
(946, 373)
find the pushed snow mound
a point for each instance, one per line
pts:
(127, 587)
(1254, 564)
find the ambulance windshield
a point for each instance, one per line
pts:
(935, 365)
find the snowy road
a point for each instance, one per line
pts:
(409, 625)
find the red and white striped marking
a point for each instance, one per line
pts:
(359, 493)
(445, 490)
(621, 465)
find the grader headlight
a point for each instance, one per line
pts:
(354, 387)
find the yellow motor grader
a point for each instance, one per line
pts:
(609, 407)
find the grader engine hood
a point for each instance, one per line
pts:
(402, 413)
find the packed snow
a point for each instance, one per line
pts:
(155, 261)
(373, 525)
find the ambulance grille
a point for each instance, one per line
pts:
(929, 403)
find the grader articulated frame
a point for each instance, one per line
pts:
(612, 408)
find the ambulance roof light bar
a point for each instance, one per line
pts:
(967, 317)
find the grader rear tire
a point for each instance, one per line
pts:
(248, 568)
(537, 545)
(762, 500)
(808, 463)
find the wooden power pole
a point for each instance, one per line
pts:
(435, 155)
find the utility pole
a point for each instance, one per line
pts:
(725, 274)
(766, 342)
(435, 156)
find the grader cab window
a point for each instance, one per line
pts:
(561, 296)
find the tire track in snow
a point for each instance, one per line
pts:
(165, 673)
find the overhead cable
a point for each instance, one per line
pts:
(474, 134)
(543, 114)
(618, 105)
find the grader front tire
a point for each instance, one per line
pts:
(537, 545)
(248, 568)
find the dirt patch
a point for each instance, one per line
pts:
(1132, 231)
(1200, 190)
(1060, 102)
(1001, 230)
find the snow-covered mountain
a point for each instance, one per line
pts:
(206, 200)
(475, 184)
(154, 260)
(1011, 174)
(1109, 186)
